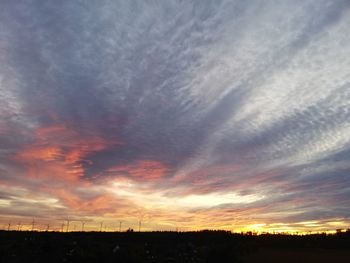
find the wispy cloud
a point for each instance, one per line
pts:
(229, 109)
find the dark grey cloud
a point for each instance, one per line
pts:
(227, 95)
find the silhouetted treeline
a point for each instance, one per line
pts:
(203, 246)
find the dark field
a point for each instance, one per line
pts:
(205, 246)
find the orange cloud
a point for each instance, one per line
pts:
(45, 153)
(144, 169)
(97, 204)
(60, 152)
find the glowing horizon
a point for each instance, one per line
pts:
(232, 115)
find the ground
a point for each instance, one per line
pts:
(204, 246)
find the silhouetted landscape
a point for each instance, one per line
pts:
(203, 246)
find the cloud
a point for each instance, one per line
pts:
(181, 99)
(141, 170)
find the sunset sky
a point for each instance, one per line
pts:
(183, 115)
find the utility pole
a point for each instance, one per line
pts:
(33, 223)
(101, 226)
(9, 226)
(120, 226)
(82, 226)
(62, 226)
(67, 225)
(19, 226)
(48, 227)
(140, 226)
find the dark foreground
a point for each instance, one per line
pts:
(205, 246)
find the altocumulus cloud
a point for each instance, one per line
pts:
(237, 111)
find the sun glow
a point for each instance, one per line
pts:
(133, 190)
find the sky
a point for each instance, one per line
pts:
(183, 115)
